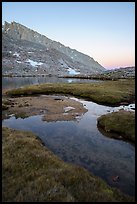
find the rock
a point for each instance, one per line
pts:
(31, 53)
(115, 178)
(26, 104)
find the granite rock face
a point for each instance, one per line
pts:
(26, 52)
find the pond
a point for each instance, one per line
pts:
(16, 82)
(80, 142)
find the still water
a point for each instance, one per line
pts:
(16, 82)
(81, 142)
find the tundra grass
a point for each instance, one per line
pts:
(121, 122)
(108, 92)
(32, 173)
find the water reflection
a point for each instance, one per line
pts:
(83, 144)
(16, 82)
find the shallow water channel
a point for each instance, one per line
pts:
(81, 142)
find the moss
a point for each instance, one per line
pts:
(121, 122)
(21, 115)
(32, 173)
(108, 92)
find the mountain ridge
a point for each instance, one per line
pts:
(75, 60)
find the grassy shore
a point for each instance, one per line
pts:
(30, 172)
(121, 122)
(107, 92)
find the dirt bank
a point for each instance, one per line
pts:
(53, 108)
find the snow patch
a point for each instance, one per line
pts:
(16, 54)
(34, 63)
(72, 71)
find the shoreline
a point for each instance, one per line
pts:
(52, 107)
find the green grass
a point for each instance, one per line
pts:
(32, 173)
(121, 122)
(108, 92)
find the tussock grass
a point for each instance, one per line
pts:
(121, 122)
(108, 92)
(32, 173)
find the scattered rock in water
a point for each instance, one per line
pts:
(108, 110)
(115, 178)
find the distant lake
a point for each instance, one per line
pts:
(16, 82)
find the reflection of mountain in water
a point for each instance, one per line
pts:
(16, 82)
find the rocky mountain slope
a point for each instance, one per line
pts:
(122, 72)
(118, 73)
(26, 52)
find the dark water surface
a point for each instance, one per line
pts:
(81, 142)
(16, 82)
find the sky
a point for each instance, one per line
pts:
(103, 30)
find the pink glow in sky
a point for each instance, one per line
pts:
(103, 30)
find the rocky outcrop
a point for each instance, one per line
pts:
(119, 73)
(20, 42)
